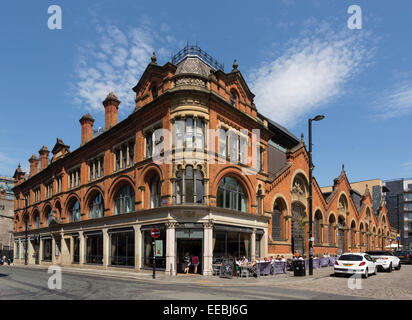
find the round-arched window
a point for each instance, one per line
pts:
(124, 200)
(96, 207)
(74, 212)
(231, 195)
(48, 215)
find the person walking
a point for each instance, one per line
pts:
(195, 261)
(186, 261)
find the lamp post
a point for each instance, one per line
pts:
(317, 118)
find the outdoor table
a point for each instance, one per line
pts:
(245, 269)
(216, 268)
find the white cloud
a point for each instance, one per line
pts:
(115, 62)
(7, 165)
(395, 102)
(312, 70)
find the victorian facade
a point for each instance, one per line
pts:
(195, 160)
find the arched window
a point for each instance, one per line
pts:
(59, 211)
(331, 234)
(317, 231)
(26, 223)
(124, 200)
(96, 207)
(189, 187)
(352, 234)
(36, 221)
(154, 92)
(276, 222)
(155, 192)
(74, 212)
(231, 195)
(233, 98)
(48, 215)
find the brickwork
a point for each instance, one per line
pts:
(220, 100)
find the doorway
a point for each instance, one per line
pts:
(195, 248)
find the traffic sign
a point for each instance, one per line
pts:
(155, 233)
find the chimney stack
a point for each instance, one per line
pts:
(111, 107)
(44, 157)
(87, 128)
(34, 165)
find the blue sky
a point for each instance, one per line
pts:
(298, 57)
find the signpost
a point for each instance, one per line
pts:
(155, 234)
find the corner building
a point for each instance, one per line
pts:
(194, 159)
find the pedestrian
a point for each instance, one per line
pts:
(186, 261)
(195, 261)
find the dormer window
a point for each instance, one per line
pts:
(233, 98)
(154, 92)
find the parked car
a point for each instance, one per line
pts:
(355, 263)
(385, 260)
(404, 256)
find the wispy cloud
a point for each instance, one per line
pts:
(7, 165)
(115, 62)
(311, 70)
(407, 168)
(394, 102)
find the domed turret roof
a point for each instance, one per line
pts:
(193, 65)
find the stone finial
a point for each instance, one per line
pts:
(235, 65)
(343, 167)
(154, 59)
(302, 136)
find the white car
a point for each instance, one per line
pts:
(355, 263)
(385, 260)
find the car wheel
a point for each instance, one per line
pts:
(390, 268)
(366, 274)
(398, 267)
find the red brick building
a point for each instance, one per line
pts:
(196, 160)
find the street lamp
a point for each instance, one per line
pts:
(317, 118)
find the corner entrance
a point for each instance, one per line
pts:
(194, 247)
(189, 240)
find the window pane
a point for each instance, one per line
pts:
(200, 134)
(178, 133)
(189, 196)
(189, 133)
(222, 143)
(233, 138)
(149, 146)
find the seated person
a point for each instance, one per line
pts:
(282, 258)
(244, 261)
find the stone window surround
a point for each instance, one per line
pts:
(74, 173)
(195, 116)
(93, 161)
(129, 162)
(150, 130)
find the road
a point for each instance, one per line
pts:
(18, 283)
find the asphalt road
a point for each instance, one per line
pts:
(32, 284)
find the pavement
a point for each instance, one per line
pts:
(31, 283)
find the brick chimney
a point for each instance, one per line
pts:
(87, 128)
(44, 157)
(34, 165)
(111, 107)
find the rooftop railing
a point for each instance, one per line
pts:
(195, 50)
